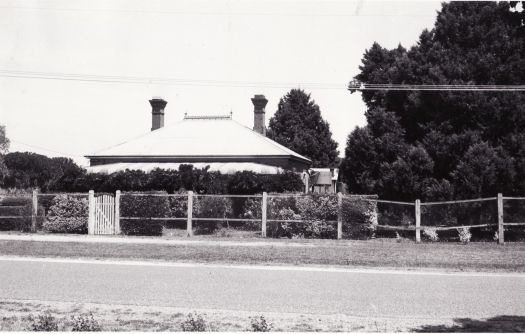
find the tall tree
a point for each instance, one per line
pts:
(470, 142)
(298, 125)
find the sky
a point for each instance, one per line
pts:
(76, 75)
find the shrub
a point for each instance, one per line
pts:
(317, 212)
(464, 235)
(178, 209)
(431, 234)
(85, 323)
(211, 207)
(146, 207)
(289, 229)
(252, 210)
(67, 214)
(360, 217)
(285, 208)
(259, 324)
(43, 323)
(194, 323)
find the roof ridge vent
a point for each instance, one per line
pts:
(229, 116)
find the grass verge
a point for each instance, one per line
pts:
(15, 317)
(382, 253)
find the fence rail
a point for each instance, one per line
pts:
(412, 219)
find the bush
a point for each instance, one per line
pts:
(67, 214)
(178, 209)
(211, 207)
(431, 234)
(317, 212)
(252, 209)
(360, 217)
(43, 323)
(464, 235)
(259, 324)
(285, 208)
(194, 323)
(143, 206)
(85, 323)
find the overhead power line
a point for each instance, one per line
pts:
(162, 81)
(353, 86)
(437, 87)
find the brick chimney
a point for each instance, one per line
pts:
(157, 112)
(259, 103)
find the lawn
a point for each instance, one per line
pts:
(382, 253)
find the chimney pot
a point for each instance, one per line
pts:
(259, 105)
(157, 112)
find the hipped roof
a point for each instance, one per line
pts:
(200, 136)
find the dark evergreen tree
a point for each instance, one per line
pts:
(298, 125)
(466, 143)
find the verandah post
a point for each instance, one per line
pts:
(34, 211)
(418, 220)
(117, 212)
(263, 214)
(339, 216)
(91, 210)
(189, 227)
(501, 227)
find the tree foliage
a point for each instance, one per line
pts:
(445, 144)
(29, 170)
(298, 125)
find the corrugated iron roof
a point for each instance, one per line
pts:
(200, 136)
(334, 172)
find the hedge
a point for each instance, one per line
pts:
(67, 214)
(146, 207)
(201, 181)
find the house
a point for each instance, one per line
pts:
(324, 180)
(215, 141)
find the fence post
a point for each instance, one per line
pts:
(501, 227)
(34, 211)
(263, 214)
(339, 216)
(418, 221)
(117, 212)
(91, 209)
(189, 227)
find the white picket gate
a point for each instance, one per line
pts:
(103, 214)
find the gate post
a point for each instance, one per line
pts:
(263, 214)
(339, 216)
(418, 221)
(117, 212)
(34, 211)
(501, 227)
(189, 227)
(91, 209)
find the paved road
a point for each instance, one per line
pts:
(359, 293)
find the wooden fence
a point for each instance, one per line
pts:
(108, 213)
